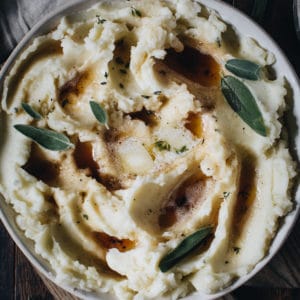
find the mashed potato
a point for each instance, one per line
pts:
(167, 156)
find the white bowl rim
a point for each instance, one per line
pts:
(50, 20)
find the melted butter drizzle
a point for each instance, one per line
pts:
(84, 159)
(147, 116)
(72, 89)
(194, 65)
(39, 166)
(194, 124)
(246, 195)
(182, 201)
(108, 242)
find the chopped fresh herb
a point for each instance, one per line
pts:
(226, 194)
(64, 102)
(123, 71)
(99, 113)
(48, 139)
(136, 12)
(105, 74)
(162, 145)
(145, 96)
(218, 41)
(236, 250)
(157, 93)
(185, 248)
(16, 110)
(100, 20)
(121, 85)
(86, 216)
(103, 83)
(31, 111)
(182, 149)
(119, 60)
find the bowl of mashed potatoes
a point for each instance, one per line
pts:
(143, 149)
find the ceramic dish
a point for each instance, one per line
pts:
(246, 27)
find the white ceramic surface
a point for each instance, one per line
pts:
(244, 26)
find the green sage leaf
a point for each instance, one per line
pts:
(31, 112)
(243, 103)
(189, 244)
(244, 68)
(48, 139)
(99, 113)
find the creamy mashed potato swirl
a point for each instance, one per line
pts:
(174, 156)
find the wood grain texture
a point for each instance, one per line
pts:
(280, 279)
(7, 264)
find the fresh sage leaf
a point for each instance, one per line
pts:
(243, 103)
(48, 139)
(99, 113)
(186, 246)
(31, 112)
(244, 68)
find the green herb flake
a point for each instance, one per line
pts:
(31, 111)
(162, 145)
(226, 194)
(99, 113)
(185, 248)
(64, 102)
(157, 93)
(103, 83)
(48, 139)
(182, 149)
(244, 68)
(86, 216)
(236, 250)
(243, 103)
(135, 12)
(105, 75)
(100, 20)
(145, 96)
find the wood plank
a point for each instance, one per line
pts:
(247, 293)
(57, 292)
(7, 260)
(28, 285)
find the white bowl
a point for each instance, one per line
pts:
(245, 26)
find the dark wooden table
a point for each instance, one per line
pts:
(280, 279)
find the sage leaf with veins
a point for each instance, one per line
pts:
(244, 68)
(243, 103)
(48, 139)
(30, 111)
(99, 113)
(186, 246)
